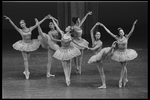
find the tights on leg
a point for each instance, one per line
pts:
(49, 64)
(26, 57)
(101, 71)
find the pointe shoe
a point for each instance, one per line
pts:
(102, 87)
(26, 74)
(50, 75)
(120, 84)
(125, 81)
(67, 82)
(78, 71)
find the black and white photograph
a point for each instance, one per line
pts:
(74, 49)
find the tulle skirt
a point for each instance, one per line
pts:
(32, 45)
(66, 53)
(126, 55)
(48, 43)
(81, 42)
(100, 55)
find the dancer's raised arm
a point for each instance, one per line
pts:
(132, 29)
(92, 37)
(33, 27)
(115, 36)
(84, 18)
(61, 32)
(18, 29)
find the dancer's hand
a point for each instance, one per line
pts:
(89, 13)
(100, 24)
(50, 16)
(135, 21)
(36, 21)
(6, 17)
(90, 48)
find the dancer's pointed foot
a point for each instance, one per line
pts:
(26, 73)
(125, 81)
(50, 75)
(120, 84)
(102, 87)
(78, 71)
(68, 82)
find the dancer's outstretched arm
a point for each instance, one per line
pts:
(132, 29)
(33, 27)
(54, 38)
(61, 32)
(115, 36)
(84, 18)
(18, 29)
(96, 47)
(92, 37)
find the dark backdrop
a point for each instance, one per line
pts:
(111, 14)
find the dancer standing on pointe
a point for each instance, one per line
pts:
(66, 52)
(122, 54)
(26, 45)
(99, 54)
(48, 43)
(78, 39)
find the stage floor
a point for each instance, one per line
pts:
(14, 84)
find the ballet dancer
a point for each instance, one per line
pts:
(99, 59)
(26, 45)
(66, 52)
(78, 38)
(48, 43)
(123, 54)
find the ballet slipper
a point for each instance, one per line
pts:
(67, 82)
(102, 87)
(26, 73)
(50, 75)
(125, 81)
(120, 84)
(78, 71)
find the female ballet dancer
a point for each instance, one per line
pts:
(48, 43)
(99, 59)
(97, 47)
(26, 45)
(66, 52)
(122, 54)
(78, 39)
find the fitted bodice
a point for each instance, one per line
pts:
(26, 36)
(66, 39)
(122, 43)
(97, 43)
(77, 31)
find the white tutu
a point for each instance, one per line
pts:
(46, 42)
(128, 54)
(66, 53)
(100, 55)
(31, 45)
(80, 42)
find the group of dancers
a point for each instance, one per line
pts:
(73, 45)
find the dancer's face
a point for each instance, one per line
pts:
(51, 25)
(22, 24)
(98, 35)
(121, 32)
